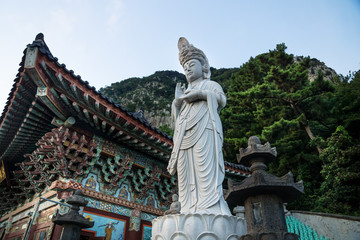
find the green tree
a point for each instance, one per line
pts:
(166, 129)
(340, 190)
(347, 103)
(272, 97)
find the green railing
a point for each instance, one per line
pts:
(304, 231)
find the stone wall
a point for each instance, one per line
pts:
(334, 227)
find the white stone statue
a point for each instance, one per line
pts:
(197, 153)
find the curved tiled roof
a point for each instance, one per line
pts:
(40, 43)
(237, 169)
(237, 166)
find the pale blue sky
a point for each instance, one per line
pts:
(108, 41)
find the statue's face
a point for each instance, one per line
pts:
(193, 70)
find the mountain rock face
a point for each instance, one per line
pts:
(315, 67)
(152, 94)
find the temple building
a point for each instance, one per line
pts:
(58, 134)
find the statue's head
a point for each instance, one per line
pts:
(175, 197)
(190, 56)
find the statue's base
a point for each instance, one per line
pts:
(270, 235)
(197, 227)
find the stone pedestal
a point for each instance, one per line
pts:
(197, 227)
(266, 219)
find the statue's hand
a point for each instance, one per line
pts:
(179, 90)
(194, 95)
(172, 171)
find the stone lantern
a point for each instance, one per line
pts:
(72, 221)
(263, 194)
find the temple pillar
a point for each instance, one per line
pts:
(135, 222)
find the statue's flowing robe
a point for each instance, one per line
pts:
(197, 152)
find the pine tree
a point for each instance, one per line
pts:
(340, 191)
(272, 97)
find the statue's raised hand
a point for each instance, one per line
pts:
(179, 90)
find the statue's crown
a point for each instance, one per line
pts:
(187, 51)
